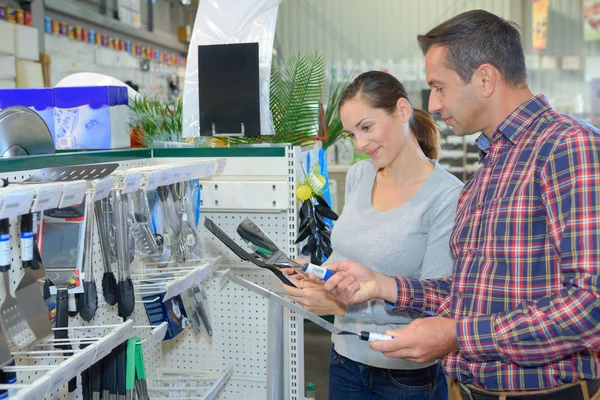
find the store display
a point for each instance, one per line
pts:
(71, 361)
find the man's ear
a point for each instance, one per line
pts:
(486, 78)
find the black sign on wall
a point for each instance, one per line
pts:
(228, 90)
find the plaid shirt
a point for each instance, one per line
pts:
(526, 241)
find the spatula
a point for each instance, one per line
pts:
(65, 174)
(243, 254)
(12, 318)
(29, 290)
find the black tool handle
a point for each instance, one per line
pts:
(27, 240)
(121, 368)
(85, 378)
(62, 314)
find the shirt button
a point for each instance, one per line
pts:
(471, 251)
(459, 295)
(479, 206)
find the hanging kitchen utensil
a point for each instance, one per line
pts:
(62, 321)
(88, 300)
(243, 254)
(125, 293)
(130, 367)
(145, 240)
(263, 245)
(29, 291)
(13, 321)
(202, 306)
(141, 387)
(170, 223)
(103, 211)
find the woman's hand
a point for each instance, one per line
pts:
(313, 297)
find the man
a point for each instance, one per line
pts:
(521, 312)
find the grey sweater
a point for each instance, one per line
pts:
(411, 240)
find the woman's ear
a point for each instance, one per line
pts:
(404, 109)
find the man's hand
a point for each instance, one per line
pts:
(423, 340)
(354, 283)
(313, 297)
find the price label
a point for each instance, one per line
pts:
(47, 197)
(83, 360)
(190, 170)
(221, 166)
(178, 174)
(73, 194)
(131, 182)
(152, 180)
(210, 169)
(166, 178)
(59, 377)
(17, 202)
(122, 334)
(103, 350)
(102, 188)
(158, 333)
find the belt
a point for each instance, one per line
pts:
(582, 390)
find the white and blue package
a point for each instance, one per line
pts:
(172, 311)
(39, 100)
(91, 117)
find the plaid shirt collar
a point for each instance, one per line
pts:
(513, 127)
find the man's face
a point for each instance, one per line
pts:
(458, 104)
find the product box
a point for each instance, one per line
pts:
(91, 117)
(2, 12)
(172, 311)
(39, 100)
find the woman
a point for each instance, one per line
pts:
(398, 214)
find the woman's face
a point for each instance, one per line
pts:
(374, 132)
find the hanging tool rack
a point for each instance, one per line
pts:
(255, 349)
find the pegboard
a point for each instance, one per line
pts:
(105, 315)
(240, 316)
(239, 323)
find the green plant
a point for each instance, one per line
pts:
(294, 95)
(332, 123)
(156, 120)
